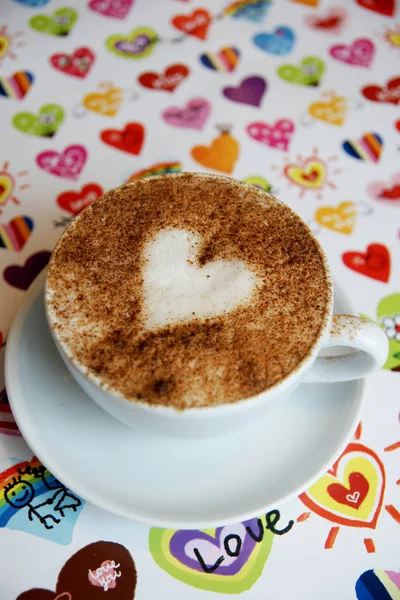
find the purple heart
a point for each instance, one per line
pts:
(250, 91)
(184, 543)
(22, 277)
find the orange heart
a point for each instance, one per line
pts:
(221, 155)
(310, 173)
(351, 493)
(332, 112)
(107, 103)
(341, 218)
(307, 2)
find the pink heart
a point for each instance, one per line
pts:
(277, 135)
(117, 9)
(359, 53)
(388, 191)
(192, 116)
(68, 163)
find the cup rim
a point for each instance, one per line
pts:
(274, 390)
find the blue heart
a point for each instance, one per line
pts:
(279, 42)
(33, 3)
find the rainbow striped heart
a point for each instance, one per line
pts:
(15, 234)
(368, 148)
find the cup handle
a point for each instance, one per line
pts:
(367, 339)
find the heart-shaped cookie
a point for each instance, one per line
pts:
(225, 60)
(139, 43)
(106, 103)
(227, 560)
(359, 53)
(116, 9)
(221, 155)
(332, 20)
(390, 93)
(17, 85)
(176, 291)
(15, 234)
(60, 23)
(351, 493)
(279, 42)
(68, 163)
(250, 91)
(382, 7)
(21, 277)
(75, 202)
(368, 148)
(253, 10)
(374, 263)
(90, 573)
(44, 124)
(308, 73)
(196, 24)
(130, 139)
(333, 111)
(276, 136)
(77, 64)
(310, 173)
(386, 191)
(193, 116)
(167, 81)
(340, 218)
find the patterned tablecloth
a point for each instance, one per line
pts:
(298, 96)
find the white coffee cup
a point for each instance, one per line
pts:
(368, 346)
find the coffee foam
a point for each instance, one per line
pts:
(176, 289)
(255, 318)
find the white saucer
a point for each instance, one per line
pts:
(164, 482)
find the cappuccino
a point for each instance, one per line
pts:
(187, 290)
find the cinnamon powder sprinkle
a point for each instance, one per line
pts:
(95, 281)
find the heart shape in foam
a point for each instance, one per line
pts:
(68, 163)
(277, 135)
(176, 290)
(192, 116)
(359, 53)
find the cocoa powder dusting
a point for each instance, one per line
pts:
(95, 281)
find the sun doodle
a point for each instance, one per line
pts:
(352, 492)
(8, 186)
(7, 43)
(310, 173)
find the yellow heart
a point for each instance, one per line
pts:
(333, 112)
(6, 187)
(341, 218)
(394, 38)
(351, 493)
(311, 174)
(107, 103)
(4, 44)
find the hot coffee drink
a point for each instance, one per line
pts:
(187, 290)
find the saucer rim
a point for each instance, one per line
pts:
(31, 435)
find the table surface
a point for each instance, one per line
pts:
(298, 96)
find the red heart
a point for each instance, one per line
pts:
(397, 125)
(130, 139)
(391, 193)
(353, 496)
(167, 81)
(77, 64)
(197, 23)
(374, 263)
(390, 93)
(383, 7)
(74, 202)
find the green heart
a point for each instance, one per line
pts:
(217, 580)
(137, 44)
(44, 124)
(309, 72)
(388, 307)
(60, 23)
